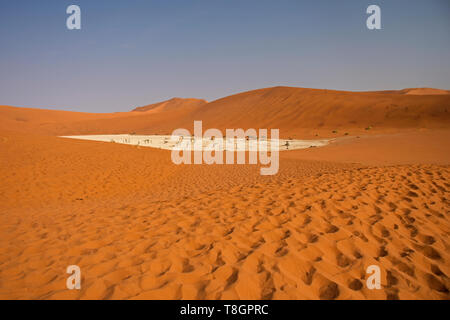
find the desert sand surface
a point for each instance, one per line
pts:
(141, 227)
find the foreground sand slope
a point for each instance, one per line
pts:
(141, 227)
(403, 147)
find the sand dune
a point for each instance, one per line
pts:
(53, 122)
(172, 104)
(424, 91)
(297, 112)
(141, 227)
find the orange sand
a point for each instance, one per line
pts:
(141, 227)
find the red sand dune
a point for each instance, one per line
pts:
(424, 91)
(141, 227)
(52, 122)
(172, 104)
(295, 111)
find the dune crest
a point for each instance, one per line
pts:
(425, 91)
(295, 111)
(171, 104)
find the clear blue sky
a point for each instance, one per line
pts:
(135, 52)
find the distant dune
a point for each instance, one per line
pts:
(425, 91)
(172, 104)
(295, 111)
(292, 108)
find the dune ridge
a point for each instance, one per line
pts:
(424, 91)
(171, 104)
(295, 111)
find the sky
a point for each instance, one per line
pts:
(130, 53)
